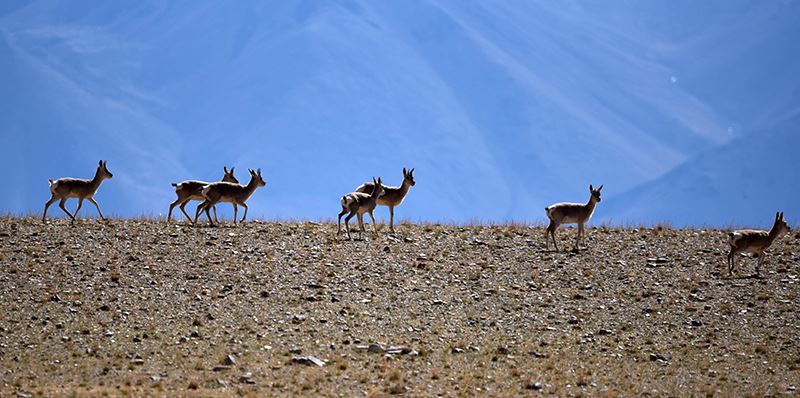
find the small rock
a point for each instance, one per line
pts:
(456, 350)
(247, 378)
(604, 332)
(398, 350)
(297, 318)
(533, 386)
(658, 357)
(375, 348)
(295, 350)
(308, 360)
(696, 322)
(503, 350)
(220, 368)
(229, 360)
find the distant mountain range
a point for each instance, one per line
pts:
(684, 110)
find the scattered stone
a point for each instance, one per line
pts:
(297, 318)
(295, 350)
(375, 348)
(308, 360)
(398, 350)
(456, 350)
(247, 378)
(220, 368)
(696, 322)
(229, 360)
(533, 386)
(538, 354)
(658, 357)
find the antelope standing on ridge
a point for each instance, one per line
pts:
(571, 213)
(392, 196)
(64, 188)
(755, 241)
(358, 203)
(229, 192)
(192, 190)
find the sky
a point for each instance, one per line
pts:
(685, 111)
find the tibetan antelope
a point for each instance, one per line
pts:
(571, 213)
(64, 188)
(229, 192)
(755, 241)
(358, 203)
(192, 190)
(392, 196)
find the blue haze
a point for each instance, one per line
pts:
(687, 111)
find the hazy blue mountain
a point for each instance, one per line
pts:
(502, 107)
(744, 182)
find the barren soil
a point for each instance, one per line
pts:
(155, 309)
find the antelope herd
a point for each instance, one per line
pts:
(364, 199)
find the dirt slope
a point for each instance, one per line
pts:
(149, 308)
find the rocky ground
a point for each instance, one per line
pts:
(131, 307)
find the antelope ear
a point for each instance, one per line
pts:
(600, 189)
(259, 172)
(225, 169)
(591, 188)
(231, 171)
(101, 163)
(405, 173)
(379, 181)
(411, 173)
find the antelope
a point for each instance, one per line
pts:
(358, 203)
(755, 241)
(229, 192)
(392, 196)
(571, 213)
(64, 188)
(192, 190)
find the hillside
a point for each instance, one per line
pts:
(742, 183)
(502, 108)
(147, 308)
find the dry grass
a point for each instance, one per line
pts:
(136, 307)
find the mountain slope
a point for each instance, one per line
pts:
(743, 183)
(501, 108)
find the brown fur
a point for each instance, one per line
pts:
(755, 241)
(229, 192)
(192, 190)
(64, 188)
(392, 196)
(358, 203)
(571, 213)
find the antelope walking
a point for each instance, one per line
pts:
(358, 203)
(229, 192)
(64, 188)
(392, 196)
(571, 213)
(755, 241)
(192, 190)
